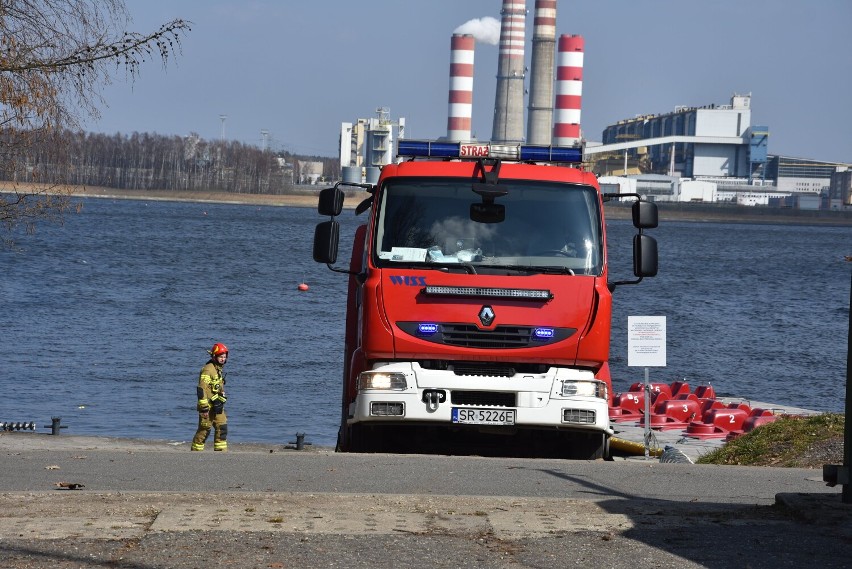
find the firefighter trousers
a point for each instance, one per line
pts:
(219, 423)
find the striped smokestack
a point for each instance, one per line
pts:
(461, 87)
(540, 109)
(569, 90)
(509, 101)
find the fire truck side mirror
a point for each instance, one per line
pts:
(644, 255)
(644, 215)
(326, 238)
(330, 201)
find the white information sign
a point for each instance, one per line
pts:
(646, 341)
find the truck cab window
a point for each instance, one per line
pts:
(547, 224)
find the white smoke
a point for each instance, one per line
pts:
(486, 30)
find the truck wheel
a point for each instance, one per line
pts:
(598, 447)
(591, 447)
(350, 438)
(604, 449)
(367, 438)
(357, 440)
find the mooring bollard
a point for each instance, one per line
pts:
(54, 425)
(300, 441)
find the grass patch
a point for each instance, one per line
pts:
(790, 441)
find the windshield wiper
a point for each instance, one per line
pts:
(535, 269)
(469, 268)
(444, 267)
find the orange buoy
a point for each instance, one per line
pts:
(303, 287)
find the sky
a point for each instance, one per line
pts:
(297, 69)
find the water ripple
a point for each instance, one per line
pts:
(108, 317)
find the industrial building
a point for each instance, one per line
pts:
(712, 141)
(368, 144)
(705, 154)
(712, 154)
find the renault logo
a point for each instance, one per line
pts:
(486, 315)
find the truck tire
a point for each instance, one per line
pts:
(357, 439)
(590, 447)
(603, 451)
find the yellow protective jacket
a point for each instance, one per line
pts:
(211, 388)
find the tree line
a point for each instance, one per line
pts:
(55, 57)
(150, 161)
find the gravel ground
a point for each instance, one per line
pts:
(715, 545)
(829, 451)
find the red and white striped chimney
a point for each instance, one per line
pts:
(569, 91)
(461, 88)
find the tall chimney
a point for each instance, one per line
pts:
(540, 108)
(569, 91)
(509, 101)
(461, 88)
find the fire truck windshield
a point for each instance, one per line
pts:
(548, 226)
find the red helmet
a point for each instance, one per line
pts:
(218, 349)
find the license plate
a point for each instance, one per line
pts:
(483, 416)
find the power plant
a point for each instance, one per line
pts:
(704, 154)
(508, 124)
(547, 124)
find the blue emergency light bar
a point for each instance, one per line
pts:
(469, 150)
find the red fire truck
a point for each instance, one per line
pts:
(479, 305)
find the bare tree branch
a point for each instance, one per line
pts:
(55, 57)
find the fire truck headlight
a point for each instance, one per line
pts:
(584, 389)
(382, 380)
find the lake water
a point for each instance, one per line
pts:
(107, 318)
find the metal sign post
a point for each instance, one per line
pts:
(646, 347)
(647, 437)
(834, 474)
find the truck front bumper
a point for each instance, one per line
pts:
(559, 398)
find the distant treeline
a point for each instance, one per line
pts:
(146, 161)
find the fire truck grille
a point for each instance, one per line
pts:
(501, 337)
(492, 398)
(483, 369)
(464, 335)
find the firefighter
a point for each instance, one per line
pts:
(211, 401)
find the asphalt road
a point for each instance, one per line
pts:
(151, 505)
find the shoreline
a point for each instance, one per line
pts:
(18, 441)
(628, 437)
(306, 199)
(699, 213)
(668, 211)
